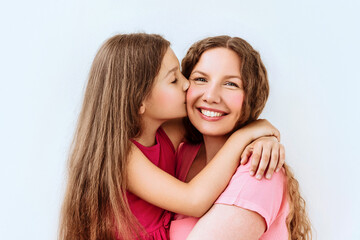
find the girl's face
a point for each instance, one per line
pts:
(167, 97)
(215, 96)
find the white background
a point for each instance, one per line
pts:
(311, 50)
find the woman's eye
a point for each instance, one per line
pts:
(200, 79)
(231, 84)
(174, 81)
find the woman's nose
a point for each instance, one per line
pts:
(211, 94)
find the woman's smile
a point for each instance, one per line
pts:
(211, 114)
(215, 96)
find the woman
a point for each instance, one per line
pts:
(228, 89)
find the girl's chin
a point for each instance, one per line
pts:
(183, 115)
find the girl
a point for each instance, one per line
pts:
(229, 80)
(114, 191)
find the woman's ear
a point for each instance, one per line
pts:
(142, 108)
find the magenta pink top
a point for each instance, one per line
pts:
(155, 220)
(266, 197)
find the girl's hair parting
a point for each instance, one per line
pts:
(121, 77)
(256, 87)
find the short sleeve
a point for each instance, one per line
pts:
(262, 196)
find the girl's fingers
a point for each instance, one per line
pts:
(246, 154)
(273, 161)
(255, 158)
(282, 158)
(265, 157)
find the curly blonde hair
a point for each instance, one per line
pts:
(256, 87)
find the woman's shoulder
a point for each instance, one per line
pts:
(244, 185)
(243, 172)
(265, 196)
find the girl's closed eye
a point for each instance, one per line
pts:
(175, 80)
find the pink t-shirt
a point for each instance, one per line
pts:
(155, 220)
(266, 197)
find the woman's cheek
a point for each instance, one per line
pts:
(236, 100)
(190, 94)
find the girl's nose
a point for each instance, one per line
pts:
(186, 83)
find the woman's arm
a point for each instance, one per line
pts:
(194, 198)
(245, 209)
(229, 222)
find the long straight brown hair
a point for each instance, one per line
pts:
(256, 87)
(121, 76)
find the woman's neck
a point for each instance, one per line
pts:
(212, 145)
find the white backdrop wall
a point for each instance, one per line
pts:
(311, 50)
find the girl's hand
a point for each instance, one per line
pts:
(261, 128)
(266, 153)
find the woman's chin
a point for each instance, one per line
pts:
(213, 132)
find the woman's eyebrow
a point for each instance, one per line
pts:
(232, 76)
(200, 72)
(225, 77)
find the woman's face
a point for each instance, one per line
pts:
(215, 96)
(167, 97)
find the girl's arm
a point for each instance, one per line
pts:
(266, 154)
(194, 198)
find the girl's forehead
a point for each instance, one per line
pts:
(169, 61)
(169, 65)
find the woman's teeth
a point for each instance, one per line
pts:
(211, 113)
